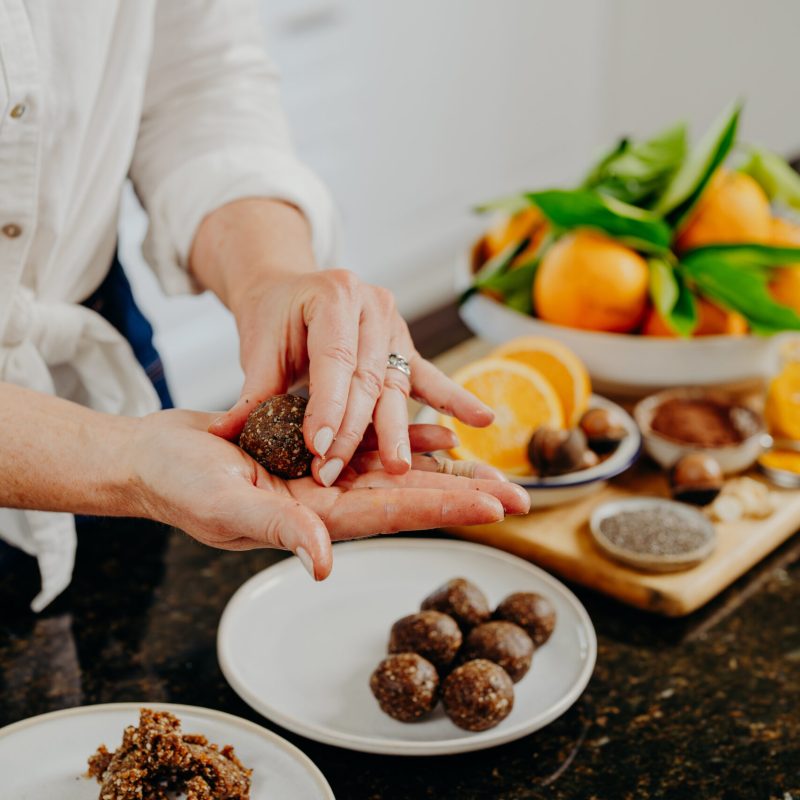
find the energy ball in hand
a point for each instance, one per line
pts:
(502, 643)
(431, 634)
(478, 695)
(273, 436)
(462, 600)
(405, 686)
(532, 612)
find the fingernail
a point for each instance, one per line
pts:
(323, 440)
(305, 560)
(330, 470)
(404, 452)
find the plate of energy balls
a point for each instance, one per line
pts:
(411, 647)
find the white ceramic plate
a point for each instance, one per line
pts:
(626, 364)
(302, 653)
(558, 489)
(43, 758)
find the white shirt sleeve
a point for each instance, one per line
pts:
(213, 131)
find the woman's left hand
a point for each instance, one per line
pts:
(181, 475)
(340, 331)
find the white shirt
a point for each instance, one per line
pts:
(175, 94)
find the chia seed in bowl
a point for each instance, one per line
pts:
(653, 534)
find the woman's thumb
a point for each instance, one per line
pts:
(276, 521)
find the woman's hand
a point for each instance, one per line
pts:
(341, 332)
(293, 321)
(214, 491)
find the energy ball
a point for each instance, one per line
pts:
(405, 686)
(502, 643)
(478, 695)
(462, 600)
(273, 436)
(431, 634)
(532, 612)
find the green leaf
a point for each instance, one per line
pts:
(580, 208)
(738, 280)
(491, 274)
(684, 316)
(672, 298)
(507, 205)
(663, 285)
(516, 286)
(758, 256)
(686, 186)
(776, 177)
(635, 172)
(601, 168)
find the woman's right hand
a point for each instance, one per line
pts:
(208, 487)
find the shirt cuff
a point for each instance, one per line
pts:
(204, 184)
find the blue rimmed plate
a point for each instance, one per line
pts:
(559, 489)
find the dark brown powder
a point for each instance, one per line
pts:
(702, 421)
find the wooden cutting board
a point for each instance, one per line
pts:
(558, 539)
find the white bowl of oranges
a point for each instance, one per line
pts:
(668, 266)
(634, 365)
(536, 384)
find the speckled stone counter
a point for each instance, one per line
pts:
(706, 707)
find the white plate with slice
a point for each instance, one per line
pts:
(44, 757)
(302, 653)
(556, 490)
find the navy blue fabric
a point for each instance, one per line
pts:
(114, 300)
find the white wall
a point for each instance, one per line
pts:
(690, 58)
(415, 110)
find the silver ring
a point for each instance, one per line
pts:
(396, 361)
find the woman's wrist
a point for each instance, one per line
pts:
(249, 244)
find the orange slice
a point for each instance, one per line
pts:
(559, 365)
(522, 400)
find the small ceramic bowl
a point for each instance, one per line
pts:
(652, 562)
(559, 489)
(666, 451)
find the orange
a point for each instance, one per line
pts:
(785, 285)
(511, 229)
(733, 208)
(587, 280)
(782, 409)
(522, 401)
(712, 320)
(559, 365)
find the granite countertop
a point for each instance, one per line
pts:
(704, 707)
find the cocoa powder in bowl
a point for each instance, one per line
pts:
(703, 421)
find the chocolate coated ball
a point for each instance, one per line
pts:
(405, 686)
(696, 478)
(478, 695)
(273, 436)
(532, 612)
(462, 600)
(431, 634)
(604, 429)
(502, 643)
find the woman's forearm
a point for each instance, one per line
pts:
(58, 456)
(247, 243)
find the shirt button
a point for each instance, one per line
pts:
(11, 230)
(18, 110)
